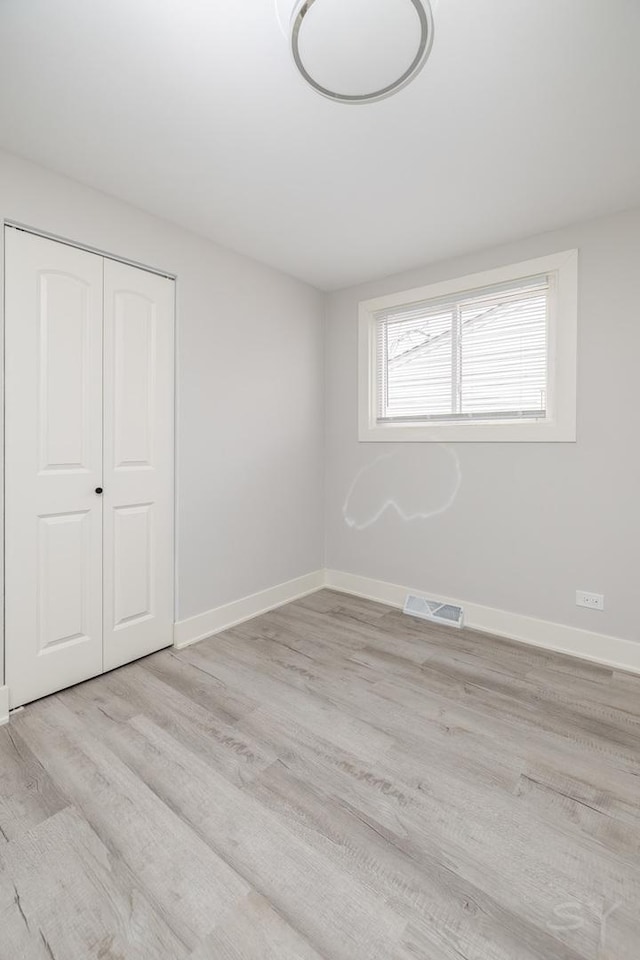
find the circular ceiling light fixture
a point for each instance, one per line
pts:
(360, 51)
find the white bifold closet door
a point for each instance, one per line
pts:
(88, 464)
(138, 463)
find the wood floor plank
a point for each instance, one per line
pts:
(325, 905)
(138, 691)
(329, 781)
(27, 794)
(76, 901)
(200, 687)
(17, 937)
(509, 859)
(185, 880)
(254, 929)
(461, 917)
(316, 709)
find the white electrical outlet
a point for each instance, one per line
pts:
(593, 601)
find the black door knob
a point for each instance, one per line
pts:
(98, 489)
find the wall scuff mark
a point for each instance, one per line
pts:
(416, 484)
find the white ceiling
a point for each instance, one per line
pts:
(526, 117)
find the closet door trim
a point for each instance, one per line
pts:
(25, 228)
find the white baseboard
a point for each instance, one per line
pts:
(4, 705)
(213, 621)
(597, 647)
(585, 644)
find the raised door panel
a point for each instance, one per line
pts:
(53, 463)
(65, 351)
(63, 598)
(138, 454)
(134, 338)
(133, 589)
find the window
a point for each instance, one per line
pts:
(487, 357)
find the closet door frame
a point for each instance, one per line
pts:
(10, 224)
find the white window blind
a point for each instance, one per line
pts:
(480, 355)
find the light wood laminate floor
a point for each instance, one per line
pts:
(330, 780)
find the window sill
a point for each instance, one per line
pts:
(537, 431)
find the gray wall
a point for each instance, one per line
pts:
(519, 527)
(249, 375)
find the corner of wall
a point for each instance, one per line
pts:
(205, 625)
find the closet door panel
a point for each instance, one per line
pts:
(138, 463)
(53, 463)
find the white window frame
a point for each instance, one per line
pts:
(559, 424)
